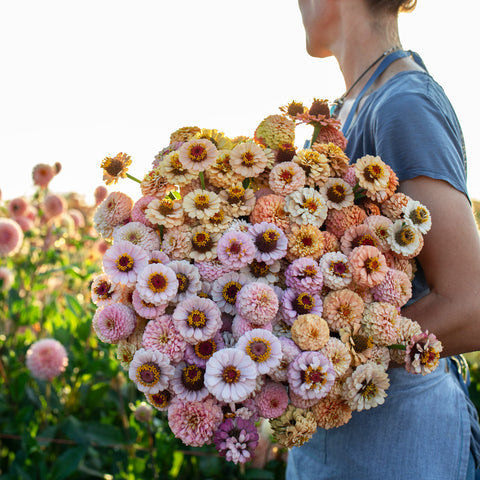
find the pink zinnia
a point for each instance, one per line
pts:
(197, 319)
(54, 205)
(423, 353)
(270, 241)
(311, 375)
(368, 265)
(201, 352)
(286, 177)
(197, 154)
(11, 237)
(124, 261)
(188, 382)
(204, 416)
(299, 303)
(356, 236)
(103, 291)
(157, 256)
(339, 221)
(46, 359)
(289, 351)
(161, 335)
(235, 250)
(114, 322)
(113, 211)
(138, 210)
(395, 288)
(380, 322)
(211, 270)
(157, 284)
(342, 308)
(270, 208)
(150, 370)
(272, 399)
(257, 302)
(304, 274)
(42, 174)
(242, 325)
(146, 309)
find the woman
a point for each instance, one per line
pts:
(393, 108)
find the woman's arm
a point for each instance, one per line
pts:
(450, 259)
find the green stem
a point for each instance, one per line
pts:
(160, 229)
(202, 180)
(316, 130)
(131, 177)
(397, 346)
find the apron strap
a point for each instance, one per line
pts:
(384, 64)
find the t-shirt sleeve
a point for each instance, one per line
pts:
(417, 135)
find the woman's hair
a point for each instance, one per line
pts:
(392, 6)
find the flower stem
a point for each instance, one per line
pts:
(202, 180)
(397, 346)
(131, 177)
(316, 131)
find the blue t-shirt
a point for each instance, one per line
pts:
(411, 125)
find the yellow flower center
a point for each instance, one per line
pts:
(309, 271)
(205, 349)
(192, 377)
(372, 265)
(197, 319)
(304, 303)
(166, 206)
(419, 215)
(259, 269)
(373, 172)
(248, 158)
(217, 218)
(160, 399)
(258, 349)
(125, 262)
(229, 292)
(182, 282)
(287, 175)
(311, 205)
(336, 193)
(236, 194)
(197, 152)
(201, 241)
(429, 357)
(157, 282)
(202, 201)
(369, 391)
(231, 374)
(175, 163)
(315, 377)
(148, 374)
(405, 236)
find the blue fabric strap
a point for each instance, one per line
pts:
(384, 64)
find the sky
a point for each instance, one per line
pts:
(80, 81)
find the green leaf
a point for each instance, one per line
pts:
(103, 434)
(74, 305)
(45, 437)
(67, 463)
(257, 474)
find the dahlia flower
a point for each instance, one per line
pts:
(46, 359)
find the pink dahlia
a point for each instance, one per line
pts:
(42, 174)
(304, 274)
(150, 370)
(194, 423)
(231, 375)
(270, 241)
(11, 237)
(188, 382)
(161, 335)
(257, 302)
(197, 319)
(272, 399)
(311, 375)
(46, 359)
(263, 348)
(236, 439)
(235, 250)
(157, 284)
(124, 261)
(114, 322)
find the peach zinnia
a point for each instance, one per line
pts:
(368, 265)
(197, 154)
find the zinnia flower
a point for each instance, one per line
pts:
(304, 274)
(236, 249)
(139, 208)
(270, 208)
(338, 353)
(114, 322)
(160, 401)
(46, 359)
(161, 335)
(294, 427)
(368, 265)
(395, 288)
(157, 284)
(299, 303)
(272, 400)
(357, 236)
(342, 308)
(197, 154)
(257, 301)
(338, 193)
(339, 221)
(248, 159)
(316, 166)
(177, 242)
(201, 204)
(188, 277)
(113, 211)
(201, 352)
(423, 353)
(379, 322)
(194, 423)
(124, 261)
(150, 370)
(138, 234)
(167, 212)
(263, 348)
(275, 130)
(238, 201)
(289, 351)
(146, 309)
(188, 382)
(419, 215)
(393, 206)
(270, 241)
(310, 332)
(405, 239)
(311, 375)
(306, 206)
(371, 173)
(331, 412)
(225, 289)
(197, 319)
(17, 207)
(366, 387)
(115, 168)
(11, 237)
(100, 193)
(203, 244)
(305, 241)
(286, 177)
(336, 270)
(230, 375)
(236, 439)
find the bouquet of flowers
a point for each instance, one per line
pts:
(256, 280)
